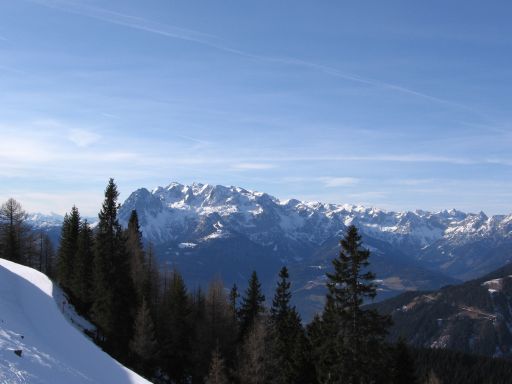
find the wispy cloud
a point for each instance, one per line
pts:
(253, 166)
(215, 42)
(83, 138)
(399, 158)
(332, 182)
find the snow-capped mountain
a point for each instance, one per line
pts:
(212, 229)
(199, 213)
(38, 344)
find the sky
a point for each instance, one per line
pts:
(401, 105)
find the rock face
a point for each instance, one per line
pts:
(474, 317)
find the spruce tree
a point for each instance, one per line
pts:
(252, 304)
(152, 281)
(135, 250)
(83, 267)
(350, 339)
(67, 250)
(114, 297)
(175, 330)
(289, 345)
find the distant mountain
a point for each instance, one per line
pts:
(473, 317)
(212, 229)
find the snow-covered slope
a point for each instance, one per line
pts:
(53, 351)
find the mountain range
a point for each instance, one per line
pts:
(207, 230)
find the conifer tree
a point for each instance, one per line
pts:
(83, 267)
(144, 345)
(290, 361)
(350, 339)
(67, 250)
(112, 309)
(217, 372)
(252, 304)
(135, 250)
(233, 298)
(152, 281)
(175, 330)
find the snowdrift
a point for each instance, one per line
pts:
(52, 349)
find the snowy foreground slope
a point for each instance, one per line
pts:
(53, 351)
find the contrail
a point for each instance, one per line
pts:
(215, 42)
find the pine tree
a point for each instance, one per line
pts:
(135, 250)
(217, 372)
(14, 233)
(83, 267)
(252, 304)
(114, 297)
(144, 345)
(350, 339)
(67, 250)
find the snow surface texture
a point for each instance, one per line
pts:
(52, 349)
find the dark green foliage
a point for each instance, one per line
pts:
(67, 250)
(137, 257)
(174, 330)
(81, 282)
(114, 297)
(252, 304)
(349, 340)
(290, 347)
(152, 281)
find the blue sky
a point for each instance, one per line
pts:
(395, 104)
